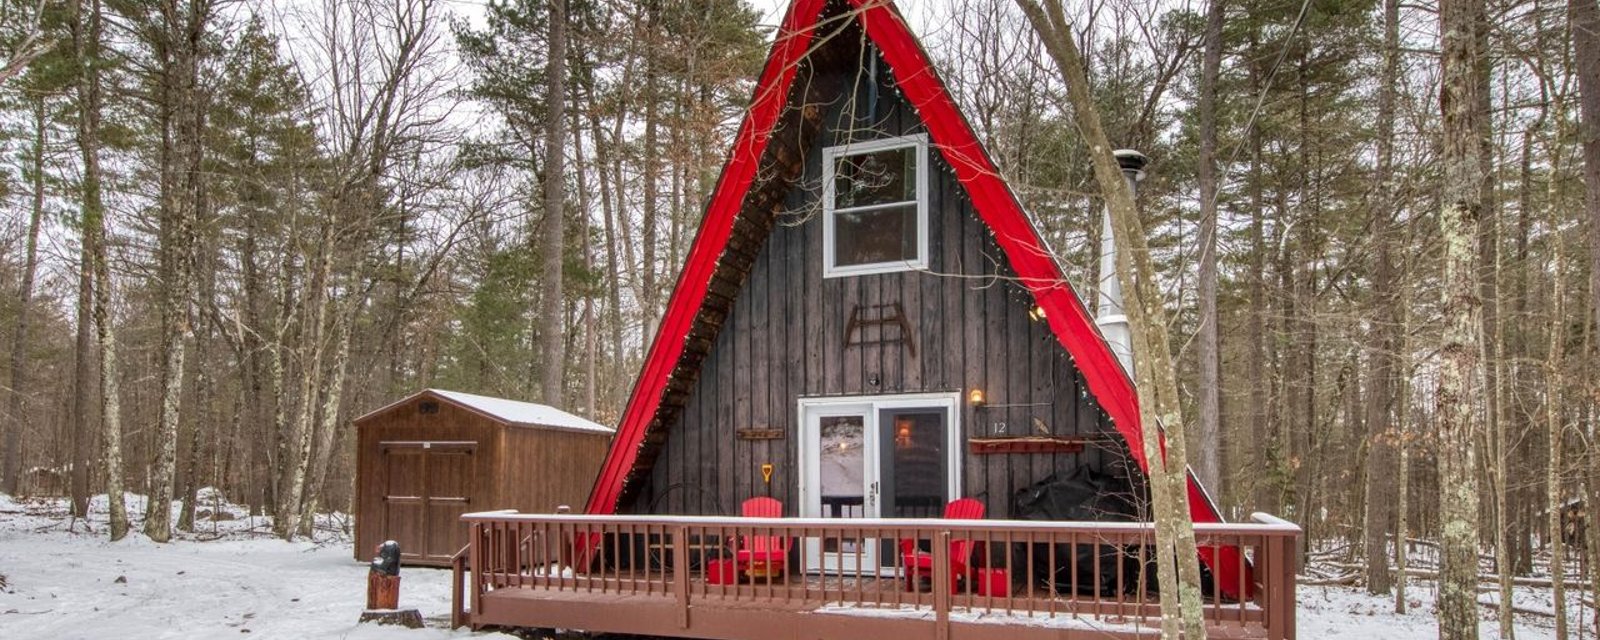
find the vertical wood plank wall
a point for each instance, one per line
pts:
(511, 467)
(785, 339)
(406, 423)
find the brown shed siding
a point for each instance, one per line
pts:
(785, 339)
(375, 479)
(492, 464)
(546, 468)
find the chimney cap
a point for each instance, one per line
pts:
(1132, 162)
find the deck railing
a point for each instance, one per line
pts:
(988, 570)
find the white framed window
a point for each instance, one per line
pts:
(875, 206)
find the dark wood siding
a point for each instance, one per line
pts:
(785, 338)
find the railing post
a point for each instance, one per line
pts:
(477, 566)
(1278, 607)
(1286, 578)
(941, 585)
(458, 564)
(680, 572)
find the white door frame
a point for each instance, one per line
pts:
(810, 412)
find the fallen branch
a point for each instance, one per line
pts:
(1495, 604)
(1342, 580)
(1483, 577)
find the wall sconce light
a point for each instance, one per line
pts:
(975, 397)
(1037, 313)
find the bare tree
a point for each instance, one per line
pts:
(179, 40)
(1156, 377)
(378, 74)
(1459, 412)
(1555, 507)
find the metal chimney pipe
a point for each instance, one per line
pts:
(1109, 315)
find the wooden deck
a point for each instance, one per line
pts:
(654, 576)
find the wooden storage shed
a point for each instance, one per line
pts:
(423, 461)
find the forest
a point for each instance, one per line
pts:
(231, 226)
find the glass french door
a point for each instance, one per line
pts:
(876, 457)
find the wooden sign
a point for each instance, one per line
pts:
(1026, 444)
(759, 434)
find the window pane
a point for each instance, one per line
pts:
(841, 453)
(878, 177)
(915, 479)
(879, 235)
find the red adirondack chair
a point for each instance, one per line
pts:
(757, 555)
(919, 563)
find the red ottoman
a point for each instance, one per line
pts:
(993, 582)
(722, 572)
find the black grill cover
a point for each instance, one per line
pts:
(1085, 495)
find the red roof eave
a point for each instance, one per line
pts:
(771, 94)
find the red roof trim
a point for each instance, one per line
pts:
(771, 94)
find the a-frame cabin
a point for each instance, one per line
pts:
(868, 326)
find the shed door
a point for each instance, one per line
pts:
(428, 486)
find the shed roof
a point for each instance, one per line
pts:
(512, 412)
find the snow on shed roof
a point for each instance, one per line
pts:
(524, 413)
(513, 412)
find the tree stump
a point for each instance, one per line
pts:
(383, 602)
(383, 591)
(408, 618)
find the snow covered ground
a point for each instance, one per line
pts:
(1348, 612)
(233, 580)
(236, 581)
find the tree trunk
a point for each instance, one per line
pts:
(602, 153)
(1402, 445)
(1260, 433)
(95, 282)
(1585, 18)
(110, 388)
(650, 301)
(1380, 490)
(327, 429)
(1209, 459)
(1459, 413)
(591, 337)
(554, 378)
(1177, 558)
(11, 459)
(182, 171)
(1554, 500)
(86, 42)
(298, 456)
